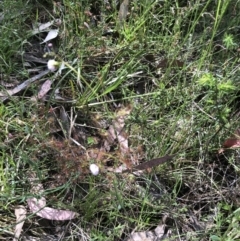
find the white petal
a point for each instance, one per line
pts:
(94, 169)
(52, 64)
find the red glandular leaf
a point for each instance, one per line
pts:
(234, 141)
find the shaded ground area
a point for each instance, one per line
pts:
(134, 135)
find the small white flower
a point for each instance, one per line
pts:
(94, 169)
(52, 65)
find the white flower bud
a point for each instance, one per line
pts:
(94, 169)
(52, 65)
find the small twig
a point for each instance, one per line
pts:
(204, 112)
(72, 123)
(78, 144)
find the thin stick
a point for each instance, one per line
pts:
(204, 112)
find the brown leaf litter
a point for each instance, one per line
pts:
(111, 152)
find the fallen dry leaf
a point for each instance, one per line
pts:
(46, 86)
(30, 58)
(64, 122)
(123, 11)
(40, 27)
(150, 164)
(4, 95)
(52, 34)
(37, 206)
(142, 236)
(116, 131)
(118, 125)
(157, 234)
(20, 213)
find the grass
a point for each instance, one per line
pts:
(176, 64)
